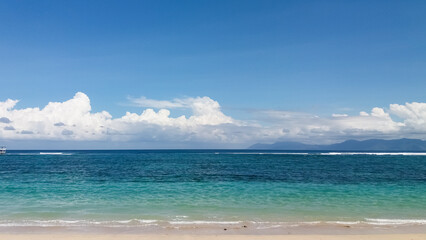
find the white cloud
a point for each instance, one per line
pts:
(36, 123)
(413, 114)
(74, 120)
(205, 111)
(362, 113)
(152, 103)
(339, 115)
(313, 129)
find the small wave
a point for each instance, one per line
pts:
(204, 222)
(310, 223)
(269, 227)
(377, 153)
(38, 153)
(344, 222)
(51, 153)
(369, 221)
(163, 223)
(395, 221)
(266, 153)
(75, 223)
(135, 221)
(112, 223)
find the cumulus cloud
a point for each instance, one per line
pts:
(413, 114)
(82, 124)
(40, 123)
(74, 120)
(205, 111)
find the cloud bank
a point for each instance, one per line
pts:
(73, 120)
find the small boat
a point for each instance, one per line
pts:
(2, 150)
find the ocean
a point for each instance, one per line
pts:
(151, 190)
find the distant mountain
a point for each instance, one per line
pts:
(403, 144)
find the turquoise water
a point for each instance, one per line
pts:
(185, 187)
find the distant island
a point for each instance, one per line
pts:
(403, 144)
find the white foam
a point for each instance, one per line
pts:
(204, 222)
(344, 222)
(269, 227)
(268, 153)
(311, 223)
(150, 222)
(136, 221)
(51, 153)
(74, 223)
(377, 153)
(374, 221)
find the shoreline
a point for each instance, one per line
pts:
(217, 230)
(208, 237)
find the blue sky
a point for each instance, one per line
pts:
(311, 57)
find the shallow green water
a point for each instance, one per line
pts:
(210, 186)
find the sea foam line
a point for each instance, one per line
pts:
(377, 153)
(74, 223)
(374, 221)
(205, 222)
(327, 153)
(151, 222)
(266, 153)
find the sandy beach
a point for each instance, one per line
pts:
(208, 237)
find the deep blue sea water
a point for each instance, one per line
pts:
(210, 186)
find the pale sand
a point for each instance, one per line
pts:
(208, 237)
